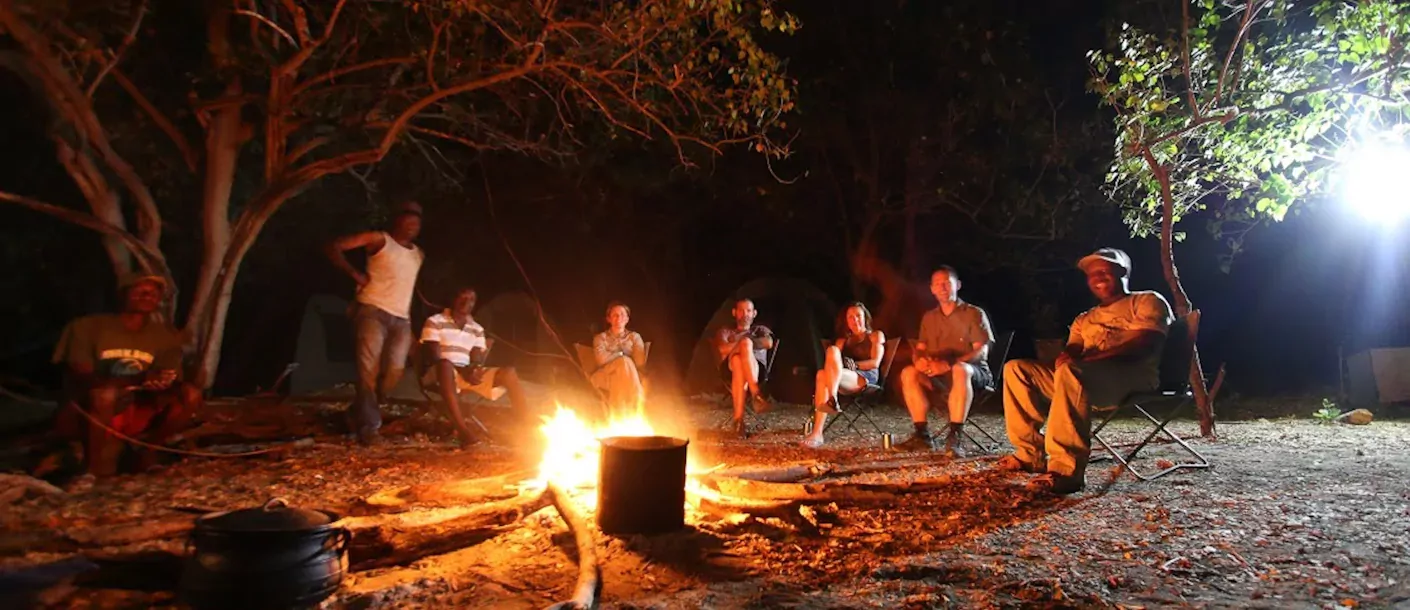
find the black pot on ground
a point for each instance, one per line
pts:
(270, 557)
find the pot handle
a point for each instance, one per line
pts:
(275, 503)
(342, 537)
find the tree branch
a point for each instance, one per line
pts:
(151, 260)
(182, 145)
(269, 23)
(121, 50)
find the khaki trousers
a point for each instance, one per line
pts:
(621, 381)
(1034, 391)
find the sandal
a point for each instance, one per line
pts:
(829, 407)
(1056, 484)
(812, 442)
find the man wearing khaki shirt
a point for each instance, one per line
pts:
(1112, 350)
(951, 355)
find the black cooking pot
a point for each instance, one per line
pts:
(270, 557)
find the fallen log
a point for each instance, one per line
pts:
(397, 539)
(451, 493)
(123, 534)
(795, 473)
(731, 487)
(589, 587)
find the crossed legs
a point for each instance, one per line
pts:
(831, 380)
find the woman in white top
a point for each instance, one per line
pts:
(620, 354)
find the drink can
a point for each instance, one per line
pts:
(808, 427)
(886, 440)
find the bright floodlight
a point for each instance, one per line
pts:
(1374, 179)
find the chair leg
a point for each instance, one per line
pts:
(1160, 428)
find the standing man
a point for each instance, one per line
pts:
(743, 349)
(951, 354)
(124, 371)
(382, 315)
(1113, 349)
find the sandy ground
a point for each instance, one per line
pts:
(1294, 514)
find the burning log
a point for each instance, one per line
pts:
(589, 587)
(397, 539)
(451, 493)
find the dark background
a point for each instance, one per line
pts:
(627, 224)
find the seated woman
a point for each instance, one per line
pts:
(620, 354)
(849, 366)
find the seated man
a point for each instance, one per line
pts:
(455, 350)
(951, 355)
(1112, 349)
(743, 348)
(124, 371)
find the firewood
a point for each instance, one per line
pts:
(589, 587)
(397, 539)
(451, 493)
(731, 487)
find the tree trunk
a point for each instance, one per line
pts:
(223, 140)
(1204, 401)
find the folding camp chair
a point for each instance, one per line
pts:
(431, 390)
(1173, 392)
(855, 407)
(998, 355)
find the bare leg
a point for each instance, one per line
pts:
(738, 383)
(832, 371)
(508, 378)
(103, 448)
(445, 381)
(915, 387)
(961, 393)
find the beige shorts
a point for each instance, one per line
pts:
(485, 388)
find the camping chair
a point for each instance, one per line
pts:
(1174, 391)
(430, 388)
(587, 360)
(854, 407)
(998, 355)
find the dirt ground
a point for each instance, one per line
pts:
(1294, 514)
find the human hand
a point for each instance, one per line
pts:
(1062, 359)
(939, 367)
(159, 380)
(360, 278)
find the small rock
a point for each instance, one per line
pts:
(1359, 417)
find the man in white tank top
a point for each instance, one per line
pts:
(382, 319)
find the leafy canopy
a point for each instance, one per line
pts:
(1248, 105)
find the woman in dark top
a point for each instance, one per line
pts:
(851, 364)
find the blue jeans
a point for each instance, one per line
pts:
(383, 341)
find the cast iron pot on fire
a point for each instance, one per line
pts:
(274, 556)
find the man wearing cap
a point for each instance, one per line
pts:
(123, 370)
(382, 312)
(1112, 349)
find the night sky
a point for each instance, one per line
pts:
(1302, 288)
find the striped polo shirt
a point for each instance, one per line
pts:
(456, 341)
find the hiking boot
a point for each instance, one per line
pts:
(761, 404)
(917, 442)
(740, 429)
(369, 438)
(1011, 463)
(952, 449)
(1057, 484)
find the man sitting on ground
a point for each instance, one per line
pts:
(124, 371)
(1112, 349)
(951, 355)
(743, 348)
(455, 349)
